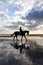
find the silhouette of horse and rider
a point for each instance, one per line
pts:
(21, 33)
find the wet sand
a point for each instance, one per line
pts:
(31, 56)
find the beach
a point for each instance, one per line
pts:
(11, 56)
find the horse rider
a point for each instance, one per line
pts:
(20, 29)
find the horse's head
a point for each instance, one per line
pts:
(27, 32)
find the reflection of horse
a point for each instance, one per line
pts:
(22, 34)
(21, 47)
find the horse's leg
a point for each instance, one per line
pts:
(13, 37)
(25, 38)
(16, 38)
(21, 38)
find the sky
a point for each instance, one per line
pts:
(25, 13)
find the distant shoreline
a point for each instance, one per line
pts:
(9, 35)
(36, 35)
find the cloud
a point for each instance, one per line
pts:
(35, 14)
(12, 27)
(15, 25)
(40, 27)
(27, 13)
(1, 29)
(34, 17)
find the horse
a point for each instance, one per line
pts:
(22, 34)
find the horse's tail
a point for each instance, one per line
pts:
(12, 34)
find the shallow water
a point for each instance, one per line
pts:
(12, 56)
(38, 40)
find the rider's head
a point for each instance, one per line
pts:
(20, 27)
